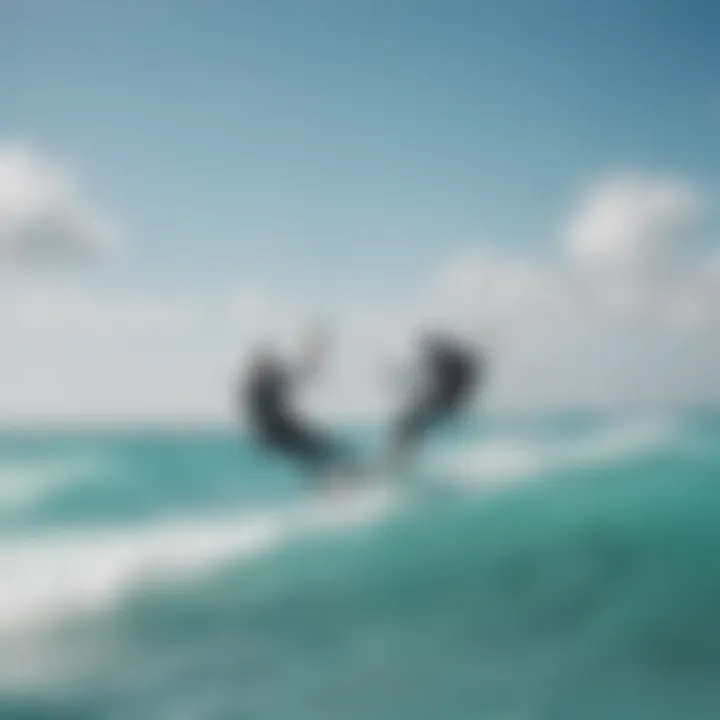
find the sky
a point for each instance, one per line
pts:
(181, 180)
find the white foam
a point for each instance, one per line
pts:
(499, 461)
(46, 578)
(23, 484)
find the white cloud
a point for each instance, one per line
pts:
(559, 333)
(623, 313)
(632, 219)
(490, 292)
(44, 216)
(72, 351)
(74, 313)
(257, 314)
(628, 249)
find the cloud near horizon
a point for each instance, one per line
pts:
(623, 311)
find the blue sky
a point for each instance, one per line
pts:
(346, 149)
(361, 139)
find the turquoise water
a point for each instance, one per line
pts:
(539, 568)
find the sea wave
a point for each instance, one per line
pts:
(486, 462)
(52, 575)
(591, 598)
(592, 594)
(27, 482)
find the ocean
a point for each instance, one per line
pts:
(557, 567)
